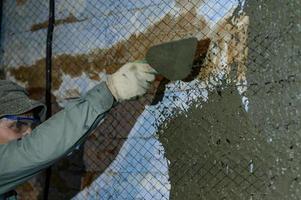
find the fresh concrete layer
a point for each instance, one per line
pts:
(218, 151)
(274, 76)
(214, 151)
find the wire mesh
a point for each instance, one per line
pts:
(173, 142)
(19, 50)
(120, 32)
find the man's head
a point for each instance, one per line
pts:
(18, 114)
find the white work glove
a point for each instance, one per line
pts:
(131, 80)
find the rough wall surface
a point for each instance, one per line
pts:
(274, 78)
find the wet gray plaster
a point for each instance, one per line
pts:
(214, 151)
(218, 151)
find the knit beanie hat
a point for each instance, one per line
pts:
(14, 100)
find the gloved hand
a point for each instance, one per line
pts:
(131, 80)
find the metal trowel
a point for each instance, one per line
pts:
(174, 59)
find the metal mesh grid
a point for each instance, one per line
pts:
(141, 151)
(19, 49)
(127, 33)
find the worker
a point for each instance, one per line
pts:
(28, 147)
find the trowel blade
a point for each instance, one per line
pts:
(173, 59)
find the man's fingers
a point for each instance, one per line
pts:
(151, 72)
(146, 77)
(141, 90)
(146, 73)
(144, 88)
(146, 68)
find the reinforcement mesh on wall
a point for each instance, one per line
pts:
(228, 131)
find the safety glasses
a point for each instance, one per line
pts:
(20, 124)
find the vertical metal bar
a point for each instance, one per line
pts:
(51, 20)
(1, 68)
(1, 7)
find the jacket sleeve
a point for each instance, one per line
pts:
(56, 137)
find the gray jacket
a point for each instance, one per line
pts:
(21, 160)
